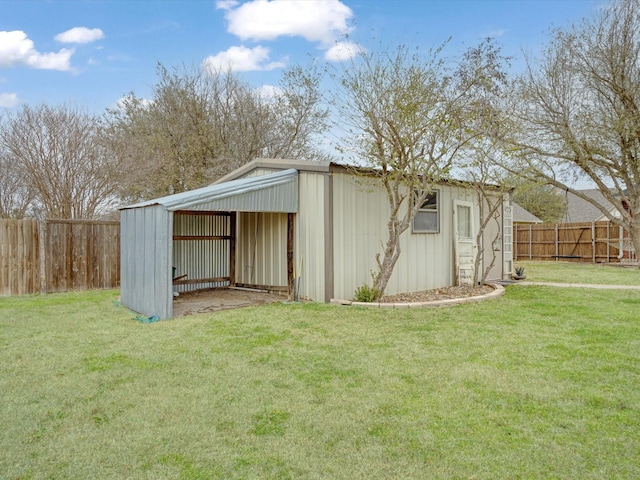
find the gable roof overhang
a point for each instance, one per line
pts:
(274, 192)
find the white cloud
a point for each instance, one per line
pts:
(315, 20)
(122, 103)
(226, 4)
(268, 91)
(8, 100)
(342, 51)
(242, 59)
(80, 35)
(496, 33)
(17, 49)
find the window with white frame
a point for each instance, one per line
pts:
(427, 220)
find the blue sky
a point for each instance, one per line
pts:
(91, 53)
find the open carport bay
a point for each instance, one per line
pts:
(216, 299)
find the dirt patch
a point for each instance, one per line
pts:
(216, 299)
(436, 294)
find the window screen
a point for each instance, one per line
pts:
(427, 220)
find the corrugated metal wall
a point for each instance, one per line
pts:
(201, 258)
(258, 172)
(278, 198)
(310, 235)
(261, 251)
(360, 232)
(145, 251)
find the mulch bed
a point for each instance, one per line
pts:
(445, 293)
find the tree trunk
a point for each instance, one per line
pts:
(391, 255)
(634, 231)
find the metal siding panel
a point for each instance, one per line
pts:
(310, 236)
(201, 258)
(164, 293)
(281, 198)
(261, 249)
(359, 219)
(276, 192)
(258, 172)
(360, 222)
(146, 288)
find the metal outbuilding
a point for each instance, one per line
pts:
(309, 228)
(188, 241)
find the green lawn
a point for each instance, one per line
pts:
(569, 272)
(540, 383)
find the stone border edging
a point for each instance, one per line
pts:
(498, 291)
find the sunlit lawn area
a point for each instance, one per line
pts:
(541, 383)
(569, 272)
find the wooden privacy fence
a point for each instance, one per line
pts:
(593, 242)
(58, 255)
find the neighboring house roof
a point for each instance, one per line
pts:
(579, 210)
(520, 215)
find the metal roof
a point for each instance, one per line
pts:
(275, 192)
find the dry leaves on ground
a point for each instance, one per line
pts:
(444, 293)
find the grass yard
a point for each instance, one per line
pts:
(541, 383)
(571, 272)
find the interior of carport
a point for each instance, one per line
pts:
(236, 234)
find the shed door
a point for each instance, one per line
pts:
(507, 239)
(464, 243)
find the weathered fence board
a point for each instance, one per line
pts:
(19, 258)
(58, 255)
(593, 242)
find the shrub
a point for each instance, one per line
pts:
(365, 293)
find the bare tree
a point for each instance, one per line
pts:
(482, 72)
(15, 195)
(202, 123)
(59, 154)
(579, 112)
(407, 116)
(483, 177)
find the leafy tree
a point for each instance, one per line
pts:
(201, 124)
(60, 160)
(543, 200)
(579, 112)
(407, 116)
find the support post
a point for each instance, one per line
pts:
(232, 248)
(290, 255)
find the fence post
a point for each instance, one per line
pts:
(530, 241)
(608, 243)
(556, 243)
(42, 253)
(593, 242)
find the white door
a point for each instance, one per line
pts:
(507, 240)
(464, 242)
